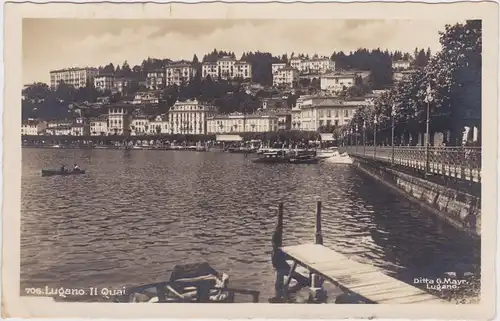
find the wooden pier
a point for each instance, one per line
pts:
(364, 280)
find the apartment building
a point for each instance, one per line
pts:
(315, 112)
(227, 68)
(156, 79)
(104, 82)
(99, 126)
(312, 66)
(178, 73)
(33, 127)
(286, 77)
(190, 117)
(76, 77)
(240, 123)
(119, 119)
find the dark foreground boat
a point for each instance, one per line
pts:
(197, 282)
(53, 172)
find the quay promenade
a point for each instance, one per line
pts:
(462, 163)
(444, 180)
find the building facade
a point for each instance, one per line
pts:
(139, 126)
(178, 73)
(277, 66)
(190, 117)
(401, 64)
(337, 81)
(122, 84)
(119, 119)
(227, 68)
(33, 127)
(76, 77)
(240, 123)
(159, 125)
(99, 126)
(312, 66)
(156, 79)
(286, 77)
(146, 98)
(104, 82)
(315, 112)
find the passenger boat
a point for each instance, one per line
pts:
(53, 172)
(197, 282)
(287, 156)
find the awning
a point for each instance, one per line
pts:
(229, 138)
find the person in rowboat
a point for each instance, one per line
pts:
(63, 168)
(76, 168)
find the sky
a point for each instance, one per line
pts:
(50, 44)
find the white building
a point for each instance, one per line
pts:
(315, 112)
(104, 82)
(79, 129)
(156, 79)
(32, 127)
(227, 68)
(146, 98)
(119, 119)
(286, 77)
(240, 123)
(76, 77)
(159, 125)
(313, 66)
(400, 64)
(178, 73)
(99, 126)
(121, 84)
(139, 126)
(277, 66)
(190, 117)
(337, 81)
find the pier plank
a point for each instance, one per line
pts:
(364, 279)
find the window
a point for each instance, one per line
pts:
(346, 113)
(336, 114)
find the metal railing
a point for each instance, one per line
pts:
(457, 162)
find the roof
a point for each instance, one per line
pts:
(339, 75)
(227, 58)
(73, 69)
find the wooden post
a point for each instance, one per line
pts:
(278, 232)
(318, 235)
(317, 292)
(276, 257)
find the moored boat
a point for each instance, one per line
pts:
(197, 282)
(287, 156)
(53, 172)
(339, 159)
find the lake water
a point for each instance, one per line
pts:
(136, 214)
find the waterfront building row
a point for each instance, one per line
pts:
(311, 113)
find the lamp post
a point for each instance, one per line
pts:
(393, 116)
(364, 137)
(356, 138)
(428, 99)
(375, 137)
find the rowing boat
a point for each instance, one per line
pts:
(53, 172)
